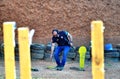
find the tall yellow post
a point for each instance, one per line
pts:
(24, 53)
(9, 44)
(97, 49)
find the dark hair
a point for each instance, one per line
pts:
(55, 30)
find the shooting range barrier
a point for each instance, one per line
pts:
(97, 49)
(24, 52)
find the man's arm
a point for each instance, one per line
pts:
(70, 39)
(52, 50)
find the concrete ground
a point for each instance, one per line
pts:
(112, 70)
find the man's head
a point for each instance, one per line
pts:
(54, 32)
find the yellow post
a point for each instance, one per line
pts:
(9, 44)
(24, 53)
(97, 50)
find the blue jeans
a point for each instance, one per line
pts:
(58, 50)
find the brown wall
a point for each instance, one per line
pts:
(72, 15)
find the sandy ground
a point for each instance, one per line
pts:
(112, 70)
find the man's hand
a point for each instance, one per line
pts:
(71, 44)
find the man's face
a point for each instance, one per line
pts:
(54, 33)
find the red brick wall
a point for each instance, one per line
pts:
(72, 15)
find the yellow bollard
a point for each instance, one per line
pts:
(82, 53)
(9, 44)
(97, 49)
(24, 52)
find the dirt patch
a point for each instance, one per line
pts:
(72, 15)
(112, 70)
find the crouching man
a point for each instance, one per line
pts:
(63, 40)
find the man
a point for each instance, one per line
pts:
(63, 40)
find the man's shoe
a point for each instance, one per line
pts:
(57, 67)
(60, 68)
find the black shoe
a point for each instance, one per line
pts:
(57, 67)
(60, 68)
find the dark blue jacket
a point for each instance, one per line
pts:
(61, 39)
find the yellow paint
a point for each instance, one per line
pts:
(82, 54)
(24, 52)
(97, 50)
(8, 30)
